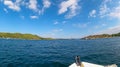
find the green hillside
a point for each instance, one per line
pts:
(102, 36)
(22, 36)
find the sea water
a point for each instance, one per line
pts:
(58, 53)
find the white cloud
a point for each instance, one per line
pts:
(96, 27)
(111, 11)
(115, 13)
(71, 5)
(111, 30)
(5, 10)
(79, 25)
(48, 35)
(57, 30)
(56, 22)
(100, 26)
(104, 24)
(13, 5)
(34, 17)
(64, 22)
(92, 13)
(33, 5)
(103, 10)
(46, 4)
(18, 2)
(53, 33)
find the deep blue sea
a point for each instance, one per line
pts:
(58, 53)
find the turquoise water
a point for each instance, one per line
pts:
(58, 53)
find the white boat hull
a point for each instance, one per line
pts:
(86, 64)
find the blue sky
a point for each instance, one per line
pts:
(60, 18)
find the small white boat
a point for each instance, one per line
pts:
(86, 64)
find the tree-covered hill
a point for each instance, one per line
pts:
(22, 36)
(102, 36)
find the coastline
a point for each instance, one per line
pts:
(27, 36)
(101, 36)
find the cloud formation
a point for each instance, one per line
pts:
(57, 30)
(13, 5)
(33, 5)
(5, 10)
(56, 22)
(111, 30)
(108, 11)
(53, 33)
(68, 7)
(46, 4)
(71, 5)
(79, 25)
(115, 13)
(104, 9)
(92, 13)
(33, 17)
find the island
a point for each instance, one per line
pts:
(101, 36)
(21, 36)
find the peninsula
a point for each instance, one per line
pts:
(22, 36)
(102, 36)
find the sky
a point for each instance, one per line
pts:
(60, 18)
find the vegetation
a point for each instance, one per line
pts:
(102, 36)
(116, 35)
(22, 36)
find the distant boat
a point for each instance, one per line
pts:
(86, 64)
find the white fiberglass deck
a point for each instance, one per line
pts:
(86, 64)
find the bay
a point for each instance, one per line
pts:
(58, 53)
